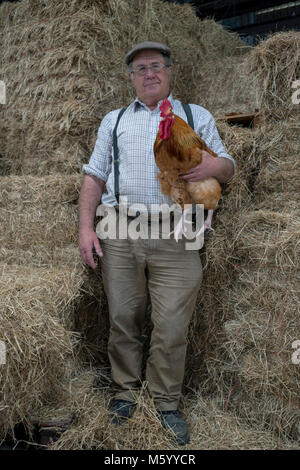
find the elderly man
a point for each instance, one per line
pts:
(133, 267)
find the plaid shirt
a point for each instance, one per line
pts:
(137, 130)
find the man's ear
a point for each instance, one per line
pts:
(130, 76)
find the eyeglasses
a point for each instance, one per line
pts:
(141, 70)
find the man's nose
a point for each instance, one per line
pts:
(149, 71)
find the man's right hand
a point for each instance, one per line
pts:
(87, 241)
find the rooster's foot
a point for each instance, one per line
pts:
(180, 228)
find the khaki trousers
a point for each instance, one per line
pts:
(173, 276)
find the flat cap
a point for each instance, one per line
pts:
(165, 50)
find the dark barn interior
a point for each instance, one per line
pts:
(252, 20)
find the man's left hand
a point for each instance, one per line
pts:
(220, 168)
(200, 172)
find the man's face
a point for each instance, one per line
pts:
(153, 86)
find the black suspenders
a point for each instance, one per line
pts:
(188, 112)
(190, 119)
(116, 156)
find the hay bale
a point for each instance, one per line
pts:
(269, 238)
(272, 413)
(232, 89)
(42, 282)
(259, 347)
(247, 313)
(17, 192)
(265, 321)
(53, 83)
(241, 337)
(255, 319)
(246, 316)
(53, 225)
(36, 211)
(69, 71)
(274, 65)
(42, 256)
(36, 322)
(277, 182)
(210, 426)
(243, 143)
(206, 365)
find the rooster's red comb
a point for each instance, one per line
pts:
(165, 105)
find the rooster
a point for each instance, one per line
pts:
(177, 149)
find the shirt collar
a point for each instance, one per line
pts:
(138, 103)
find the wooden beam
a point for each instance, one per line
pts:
(246, 120)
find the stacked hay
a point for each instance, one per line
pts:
(67, 75)
(231, 90)
(39, 219)
(266, 296)
(49, 62)
(210, 370)
(211, 428)
(249, 309)
(41, 282)
(38, 211)
(276, 82)
(63, 66)
(35, 305)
